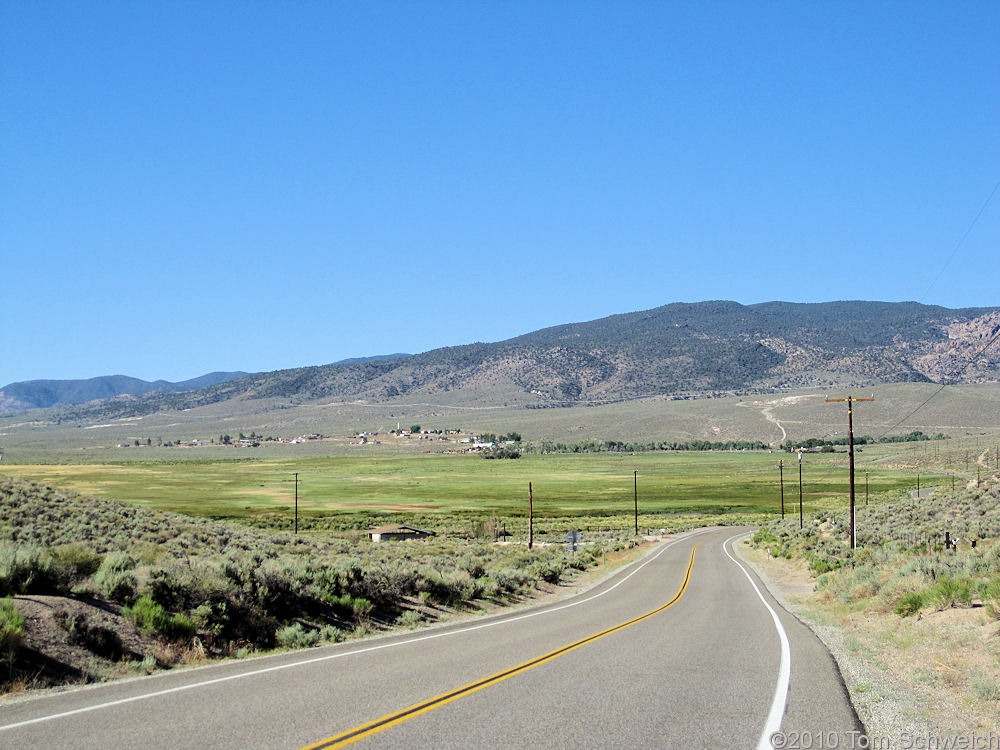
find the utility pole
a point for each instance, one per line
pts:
(531, 520)
(850, 451)
(866, 488)
(635, 489)
(800, 490)
(781, 480)
(296, 502)
(918, 486)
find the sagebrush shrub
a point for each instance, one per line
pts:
(177, 587)
(11, 631)
(296, 636)
(26, 570)
(909, 604)
(152, 619)
(409, 619)
(116, 577)
(989, 592)
(331, 634)
(548, 571)
(950, 592)
(75, 563)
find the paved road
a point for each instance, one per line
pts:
(676, 651)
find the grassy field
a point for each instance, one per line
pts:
(412, 480)
(443, 486)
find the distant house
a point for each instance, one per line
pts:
(398, 532)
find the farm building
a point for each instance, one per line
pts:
(398, 532)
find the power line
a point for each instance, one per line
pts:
(961, 241)
(989, 343)
(968, 364)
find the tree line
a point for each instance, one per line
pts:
(911, 437)
(621, 446)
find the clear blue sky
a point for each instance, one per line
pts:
(196, 186)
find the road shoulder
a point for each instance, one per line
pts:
(900, 674)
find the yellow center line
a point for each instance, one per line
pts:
(374, 727)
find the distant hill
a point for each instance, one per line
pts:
(41, 394)
(675, 350)
(376, 358)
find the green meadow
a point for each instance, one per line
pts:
(439, 486)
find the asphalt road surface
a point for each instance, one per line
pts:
(682, 649)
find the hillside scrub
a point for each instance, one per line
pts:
(233, 588)
(902, 563)
(913, 622)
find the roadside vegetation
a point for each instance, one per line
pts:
(197, 588)
(914, 610)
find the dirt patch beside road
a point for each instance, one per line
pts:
(72, 641)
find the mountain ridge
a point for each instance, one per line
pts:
(681, 348)
(41, 394)
(47, 393)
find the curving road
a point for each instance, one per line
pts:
(683, 649)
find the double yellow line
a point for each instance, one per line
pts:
(374, 727)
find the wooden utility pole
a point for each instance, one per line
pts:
(850, 451)
(296, 502)
(635, 491)
(781, 481)
(800, 490)
(866, 488)
(918, 486)
(531, 520)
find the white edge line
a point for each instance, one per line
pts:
(330, 657)
(773, 723)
